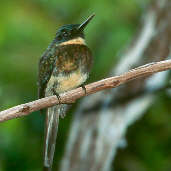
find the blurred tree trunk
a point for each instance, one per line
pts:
(101, 121)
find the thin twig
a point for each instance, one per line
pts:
(73, 95)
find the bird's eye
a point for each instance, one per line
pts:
(65, 34)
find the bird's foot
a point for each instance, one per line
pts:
(57, 95)
(83, 87)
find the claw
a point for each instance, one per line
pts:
(57, 95)
(85, 91)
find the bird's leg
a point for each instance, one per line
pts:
(62, 114)
(83, 87)
(57, 95)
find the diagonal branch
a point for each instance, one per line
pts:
(73, 95)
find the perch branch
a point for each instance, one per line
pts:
(72, 95)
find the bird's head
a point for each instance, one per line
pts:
(72, 33)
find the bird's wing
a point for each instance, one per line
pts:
(46, 65)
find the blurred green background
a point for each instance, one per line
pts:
(26, 29)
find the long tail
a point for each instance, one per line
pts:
(52, 121)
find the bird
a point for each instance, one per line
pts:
(64, 65)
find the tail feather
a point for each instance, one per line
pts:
(52, 121)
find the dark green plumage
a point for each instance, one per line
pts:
(46, 65)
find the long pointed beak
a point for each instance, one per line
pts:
(84, 24)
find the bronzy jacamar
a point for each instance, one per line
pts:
(65, 65)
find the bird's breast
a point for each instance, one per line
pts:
(71, 68)
(65, 82)
(71, 57)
